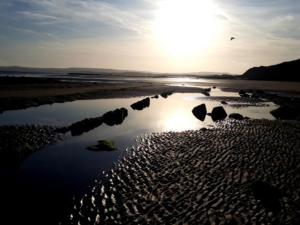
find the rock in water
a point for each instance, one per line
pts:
(206, 93)
(286, 113)
(200, 112)
(103, 145)
(115, 117)
(236, 116)
(267, 194)
(218, 113)
(242, 93)
(165, 94)
(140, 105)
(85, 125)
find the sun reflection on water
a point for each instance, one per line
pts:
(178, 121)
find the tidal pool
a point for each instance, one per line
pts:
(49, 178)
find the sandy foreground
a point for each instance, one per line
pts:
(237, 173)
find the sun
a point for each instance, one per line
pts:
(185, 27)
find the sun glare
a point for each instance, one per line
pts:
(185, 27)
(178, 121)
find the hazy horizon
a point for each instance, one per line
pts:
(159, 36)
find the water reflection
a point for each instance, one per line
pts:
(66, 169)
(178, 121)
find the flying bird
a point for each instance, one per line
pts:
(232, 38)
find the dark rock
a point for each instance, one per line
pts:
(267, 194)
(103, 145)
(214, 87)
(115, 117)
(224, 102)
(166, 94)
(85, 125)
(218, 113)
(206, 93)
(200, 112)
(236, 116)
(242, 93)
(286, 113)
(207, 89)
(209, 114)
(140, 105)
(155, 96)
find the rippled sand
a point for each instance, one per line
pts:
(19, 141)
(200, 177)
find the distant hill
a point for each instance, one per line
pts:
(287, 71)
(19, 69)
(88, 72)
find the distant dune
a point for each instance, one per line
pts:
(287, 71)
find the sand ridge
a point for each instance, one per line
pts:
(200, 177)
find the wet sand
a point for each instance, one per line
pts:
(192, 177)
(19, 141)
(20, 93)
(202, 177)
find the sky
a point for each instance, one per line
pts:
(149, 35)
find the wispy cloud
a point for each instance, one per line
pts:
(116, 33)
(266, 19)
(84, 12)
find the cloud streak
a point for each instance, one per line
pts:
(82, 13)
(267, 32)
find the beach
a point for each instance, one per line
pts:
(180, 169)
(237, 173)
(18, 93)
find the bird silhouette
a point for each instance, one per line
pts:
(232, 38)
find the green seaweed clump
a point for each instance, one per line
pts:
(103, 145)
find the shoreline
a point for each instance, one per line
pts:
(23, 93)
(213, 143)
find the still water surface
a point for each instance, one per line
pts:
(50, 177)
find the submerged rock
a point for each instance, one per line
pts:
(224, 103)
(218, 113)
(236, 116)
(166, 94)
(200, 112)
(115, 117)
(140, 105)
(103, 145)
(286, 113)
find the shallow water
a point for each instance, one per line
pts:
(67, 168)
